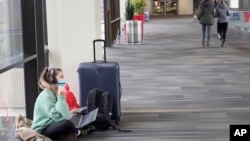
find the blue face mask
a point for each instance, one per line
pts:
(61, 83)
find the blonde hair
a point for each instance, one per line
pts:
(47, 77)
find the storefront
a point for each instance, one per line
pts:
(172, 7)
(165, 7)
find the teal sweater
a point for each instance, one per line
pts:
(49, 109)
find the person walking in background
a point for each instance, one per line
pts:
(215, 3)
(206, 16)
(222, 12)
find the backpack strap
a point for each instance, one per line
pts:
(123, 130)
(112, 124)
(106, 116)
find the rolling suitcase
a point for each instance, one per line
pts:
(100, 74)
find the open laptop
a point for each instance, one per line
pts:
(80, 120)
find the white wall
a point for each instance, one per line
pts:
(72, 26)
(185, 7)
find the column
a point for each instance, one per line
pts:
(185, 7)
(72, 26)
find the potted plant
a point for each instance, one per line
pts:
(132, 30)
(129, 10)
(139, 6)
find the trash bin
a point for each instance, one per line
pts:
(133, 31)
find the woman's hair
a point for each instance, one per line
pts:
(48, 77)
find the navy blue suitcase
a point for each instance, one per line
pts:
(100, 74)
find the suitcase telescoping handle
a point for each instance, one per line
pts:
(104, 43)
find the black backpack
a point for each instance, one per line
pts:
(101, 99)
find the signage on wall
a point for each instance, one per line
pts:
(234, 16)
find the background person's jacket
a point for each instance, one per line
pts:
(207, 9)
(222, 12)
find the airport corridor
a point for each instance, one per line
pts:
(175, 90)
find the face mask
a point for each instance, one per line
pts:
(61, 83)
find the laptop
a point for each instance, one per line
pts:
(80, 120)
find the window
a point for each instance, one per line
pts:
(234, 4)
(22, 28)
(11, 44)
(12, 97)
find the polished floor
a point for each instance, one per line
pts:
(175, 90)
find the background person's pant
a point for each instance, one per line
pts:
(206, 30)
(222, 30)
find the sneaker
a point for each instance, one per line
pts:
(203, 43)
(86, 131)
(219, 36)
(222, 43)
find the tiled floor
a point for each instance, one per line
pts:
(175, 90)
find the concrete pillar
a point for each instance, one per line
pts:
(72, 26)
(185, 7)
(149, 6)
(165, 8)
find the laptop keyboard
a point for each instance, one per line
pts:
(76, 120)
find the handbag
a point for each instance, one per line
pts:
(200, 13)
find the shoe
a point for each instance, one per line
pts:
(222, 43)
(219, 36)
(203, 43)
(86, 131)
(208, 44)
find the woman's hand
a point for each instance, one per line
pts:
(61, 91)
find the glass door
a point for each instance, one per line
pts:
(158, 7)
(171, 7)
(165, 7)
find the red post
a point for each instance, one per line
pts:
(247, 16)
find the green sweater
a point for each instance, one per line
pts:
(49, 109)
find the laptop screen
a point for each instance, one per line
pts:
(89, 117)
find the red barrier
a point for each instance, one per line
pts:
(247, 16)
(142, 19)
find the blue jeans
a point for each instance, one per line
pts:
(206, 30)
